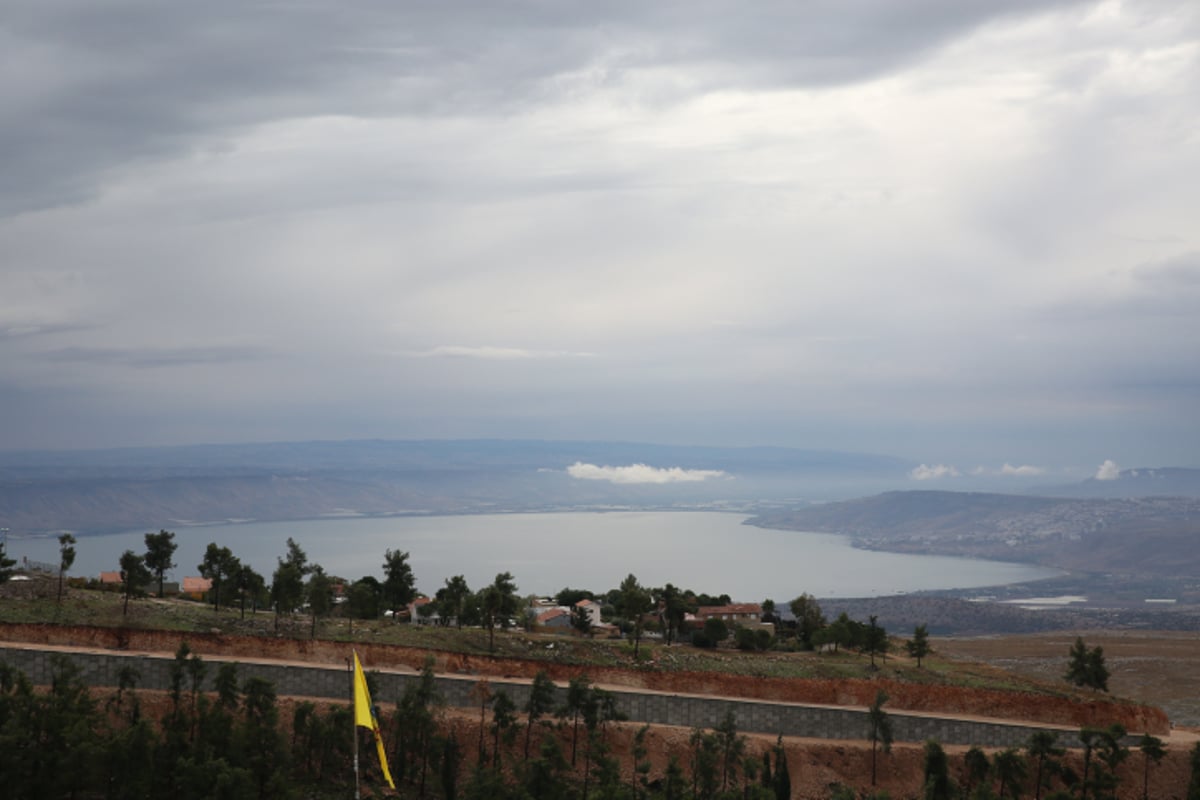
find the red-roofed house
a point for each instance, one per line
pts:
(554, 618)
(593, 611)
(415, 615)
(111, 578)
(196, 588)
(734, 612)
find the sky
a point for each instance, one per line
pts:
(956, 231)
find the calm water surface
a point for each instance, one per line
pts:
(706, 551)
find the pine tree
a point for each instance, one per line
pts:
(937, 772)
(783, 778)
(876, 641)
(880, 731)
(1097, 671)
(399, 585)
(1043, 748)
(504, 716)
(1086, 667)
(976, 766)
(1152, 751)
(160, 548)
(134, 576)
(66, 557)
(541, 702)
(6, 564)
(218, 564)
(1010, 771)
(1193, 789)
(918, 646)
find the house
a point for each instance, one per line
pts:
(430, 617)
(559, 618)
(593, 611)
(734, 612)
(196, 588)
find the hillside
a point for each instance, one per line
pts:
(946, 686)
(1152, 536)
(95, 619)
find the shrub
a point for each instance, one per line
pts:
(716, 630)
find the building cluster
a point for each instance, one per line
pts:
(194, 588)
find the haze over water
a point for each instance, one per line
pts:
(705, 551)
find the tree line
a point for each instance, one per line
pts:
(300, 584)
(297, 582)
(217, 735)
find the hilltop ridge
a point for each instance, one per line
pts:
(1137, 536)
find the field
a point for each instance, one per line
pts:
(1156, 668)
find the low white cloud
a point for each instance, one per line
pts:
(1108, 471)
(1009, 470)
(926, 472)
(1023, 471)
(641, 473)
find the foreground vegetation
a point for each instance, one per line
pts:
(236, 744)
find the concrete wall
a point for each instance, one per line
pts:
(101, 668)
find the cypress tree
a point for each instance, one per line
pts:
(783, 778)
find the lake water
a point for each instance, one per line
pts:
(705, 551)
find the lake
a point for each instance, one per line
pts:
(706, 551)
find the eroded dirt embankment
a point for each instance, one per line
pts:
(950, 700)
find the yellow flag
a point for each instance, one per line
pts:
(364, 715)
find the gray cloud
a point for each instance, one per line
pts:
(493, 353)
(96, 87)
(940, 228)
(16, 331)
(150, 358)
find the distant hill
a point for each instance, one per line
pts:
(1143, 536)
(440, 454)
(1140, 482)
(124, 489)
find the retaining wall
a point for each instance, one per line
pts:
(101, 668)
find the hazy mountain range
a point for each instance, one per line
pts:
(1142, 520)
(1140, 482)
(1152, 535)
(123, 489)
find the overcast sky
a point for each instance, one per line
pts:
(966, 233)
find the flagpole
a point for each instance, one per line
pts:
(365, 717)
(354, 730)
